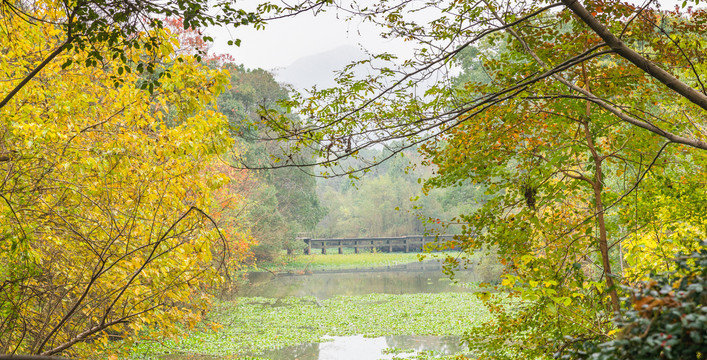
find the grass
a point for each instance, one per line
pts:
(348, 260)
(252, 325)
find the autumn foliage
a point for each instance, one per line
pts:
(104, 217)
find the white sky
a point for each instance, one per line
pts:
(286, 40)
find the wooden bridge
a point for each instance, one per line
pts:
(389, 244)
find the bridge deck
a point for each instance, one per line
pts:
(390, 244)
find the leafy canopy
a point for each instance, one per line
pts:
(104, 195)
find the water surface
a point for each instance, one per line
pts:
(355, 347)
(412, 278)
(359, 347)
(405, 279)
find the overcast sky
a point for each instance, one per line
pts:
(284, 41)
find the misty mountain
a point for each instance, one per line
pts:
(318, 69)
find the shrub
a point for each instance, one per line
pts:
(664, 317)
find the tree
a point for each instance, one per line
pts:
(550, 130)
(284, 201)
(361, 112)
(103, 222)
(101, 30)
(553, 170)
(388, 201)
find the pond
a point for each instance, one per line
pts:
(355, 347)
(403, 279)
(358, 347)
(304, 303)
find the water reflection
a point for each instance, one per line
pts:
(392, 280)
(189, 357)
(361, 348)
(405, 279)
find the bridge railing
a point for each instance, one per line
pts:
(401, 243)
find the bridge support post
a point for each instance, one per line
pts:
(407, 247)
(341, 250)
(390, 246)
(356, 245)
(308, 249)
(323, 247)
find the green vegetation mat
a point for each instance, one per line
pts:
(348, 260)
(253, 325)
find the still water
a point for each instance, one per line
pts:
(403, 279)
(358, 347)
(355, 347)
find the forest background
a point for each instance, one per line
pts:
(572, 144)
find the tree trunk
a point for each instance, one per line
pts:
(603, 245)
(598, 187)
